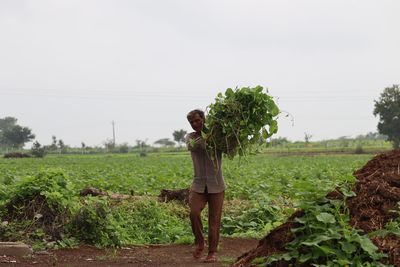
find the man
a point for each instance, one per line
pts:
(208, 186)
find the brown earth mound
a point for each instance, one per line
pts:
(273, 243)
(376, 202)
(16, 155)
(98, 192)
(378, 191)
(181, 195)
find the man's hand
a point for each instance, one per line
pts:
(195, 141)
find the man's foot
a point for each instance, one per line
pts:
(198, 252)
(211, 257)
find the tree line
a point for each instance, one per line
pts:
(14, 136)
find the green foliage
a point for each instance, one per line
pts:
(6, 124)
(179, 136)
(122, 148)
(388, 110)
(63, 148)
(371, 136)
(37, 207)
(94, 224)
(164, 142)
(17, 136)
(104, 223)
(260, 199)
(324, 236)
(53, 145)
(250, 219)
(53, 184)
(238, 120)
(279, 141)
(37, 150)
(359, 149)
(263, 176)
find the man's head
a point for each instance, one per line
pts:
(196, 119)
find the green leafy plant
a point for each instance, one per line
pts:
(238, 120)
(324, 237)
(253, 218)
(103, 222)
(38, 204)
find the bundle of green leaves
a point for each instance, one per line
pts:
(240, 120)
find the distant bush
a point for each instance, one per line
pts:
(37, 150)
(359, 149)
(16, 155)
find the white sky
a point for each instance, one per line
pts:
(70, 67)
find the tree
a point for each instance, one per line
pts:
(388, 110)
(307, 137)
(123, 148)
(53, 145)
(141, 143)
(109, 145)
(179, 136)
(344, 141)
(7, 123)
(371, 136)
(164, 142)
(279, 141)
(12, 134)
(62, 146)
(37, 150)
(17, 136)
(83, 146)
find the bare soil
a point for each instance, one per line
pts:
(146, 256)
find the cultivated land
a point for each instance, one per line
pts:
(262, 192)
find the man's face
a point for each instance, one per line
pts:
(196, 122)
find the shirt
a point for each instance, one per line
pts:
(207, 173)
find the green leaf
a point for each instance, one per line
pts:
(305, 257)
(315, 241)
(328, 250)
(348, 247)
(265, 133)
(274, 109)
(273, 128)
(326, 217)
(229, 92)
(367, 245)
(258, 89)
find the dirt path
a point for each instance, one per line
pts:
(154, 255)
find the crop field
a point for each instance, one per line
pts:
(262, 191)
(257, 178)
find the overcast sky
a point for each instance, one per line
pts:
(70, 67)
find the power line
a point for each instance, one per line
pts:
(157, 92)
(298, 96)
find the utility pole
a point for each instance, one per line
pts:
(113, 125)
